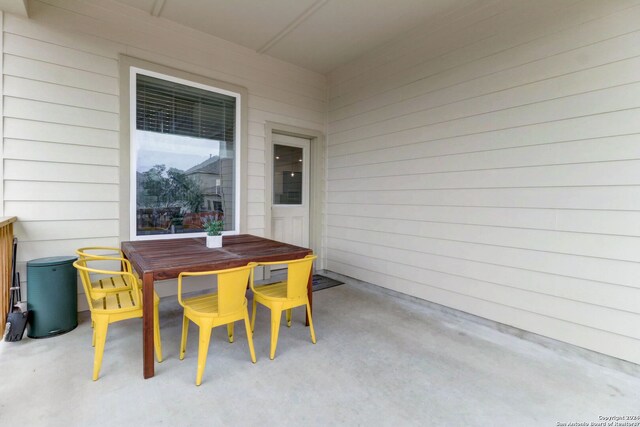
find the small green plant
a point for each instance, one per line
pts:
(213, 226)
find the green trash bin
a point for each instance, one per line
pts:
(52, 297)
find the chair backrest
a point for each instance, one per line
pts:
(102, 252)
(232, 286)
(87, 267)
(99, 251)
(298, 271)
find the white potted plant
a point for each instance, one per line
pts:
(213, 227)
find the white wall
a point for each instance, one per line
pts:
(61, 114)
(491, 163)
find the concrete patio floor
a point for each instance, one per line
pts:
(379, 360)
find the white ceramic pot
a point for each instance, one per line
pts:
(214, 241)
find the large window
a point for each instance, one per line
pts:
(184, 156)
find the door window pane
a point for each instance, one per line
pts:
(287, 175)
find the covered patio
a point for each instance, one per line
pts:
(470, 169)
(381, 359)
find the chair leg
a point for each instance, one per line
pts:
(93, 337)
(203, 349)
(288, 318)
(253, 314)
(276, 314)
(249, 336)
(230, 331)
(183, 341)
(157, 342)
(101, 327)
(313, 333)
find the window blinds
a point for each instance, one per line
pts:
(173, 108)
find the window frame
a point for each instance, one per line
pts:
(129, 68)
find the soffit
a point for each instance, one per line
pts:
(319, 35)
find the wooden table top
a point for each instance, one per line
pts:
(167, 258)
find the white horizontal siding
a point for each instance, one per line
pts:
(619, 346)
(604, 125)
(438, 123)
(497, 170)
(59, 191)
(53, 132)
(64, 172)
(581, 174)
(43, 231)
(449, 157)
(28, 109)
(570, 265)
(61, 114)
(592, 198)
(596, 316)
(45, 51)
(592, 245)
(54, 152)
(571, 289)
(62, 210)
(622, 223)
(17, 87)
(39, 71)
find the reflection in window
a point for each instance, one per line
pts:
(184, 145)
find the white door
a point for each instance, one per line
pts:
(290, 192)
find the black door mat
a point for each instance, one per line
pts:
(323, 282)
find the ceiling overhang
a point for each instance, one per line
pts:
(319, 35)
(17, 7)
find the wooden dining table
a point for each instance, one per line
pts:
(162, 259)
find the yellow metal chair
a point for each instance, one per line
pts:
(224, 307)
(113, 306)
(284, 295)
(106, 284)
(100, 252)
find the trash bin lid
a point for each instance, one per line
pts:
(53, 260)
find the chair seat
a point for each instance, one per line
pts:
(203, 304)
(273, 290)
(119, 301)
(109, 284)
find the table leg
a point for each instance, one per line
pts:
(310, 296)
(147, 325)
